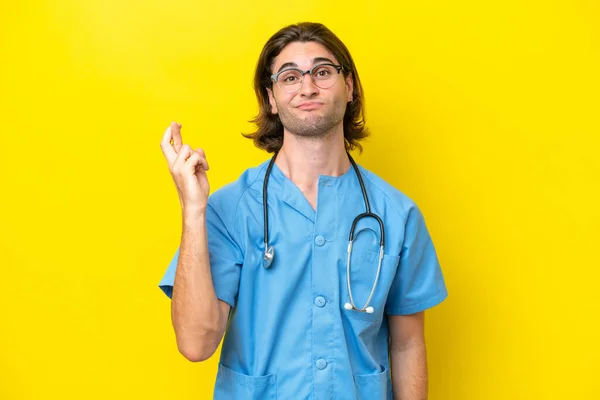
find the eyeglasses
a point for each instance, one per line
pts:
(290, 80)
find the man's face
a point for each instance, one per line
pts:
(311, 111)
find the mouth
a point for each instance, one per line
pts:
(311, 105)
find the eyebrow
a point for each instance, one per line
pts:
(317, 60)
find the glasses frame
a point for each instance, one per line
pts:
(275, 77)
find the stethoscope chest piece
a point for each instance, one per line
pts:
(268, 256)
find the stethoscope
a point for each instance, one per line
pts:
(270, 252)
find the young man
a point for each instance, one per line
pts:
(310, 316)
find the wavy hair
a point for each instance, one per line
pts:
(269, 135)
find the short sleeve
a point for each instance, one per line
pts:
(225, 260)
(418, 283)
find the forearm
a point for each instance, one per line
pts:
(409, 372)
(195, 307)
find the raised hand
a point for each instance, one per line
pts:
(188, 168)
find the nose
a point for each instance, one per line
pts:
(309, 88)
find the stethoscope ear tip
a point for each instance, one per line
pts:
(370, 310)
(348, 306)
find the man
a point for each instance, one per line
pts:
(302, 322)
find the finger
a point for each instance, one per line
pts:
(202, 155)
(176, 131)
(191, 163)
(167, 149)
(196, 161)
(183, 155)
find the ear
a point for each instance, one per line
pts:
(349, 87)
(272, 101)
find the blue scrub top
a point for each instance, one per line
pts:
(289, 335)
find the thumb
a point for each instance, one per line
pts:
(203, 161)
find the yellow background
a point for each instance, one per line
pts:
(485, 113)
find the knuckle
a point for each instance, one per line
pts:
(176, 168)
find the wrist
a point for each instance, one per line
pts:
(193, 214)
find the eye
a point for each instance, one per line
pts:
(323, 72)
(289, 77)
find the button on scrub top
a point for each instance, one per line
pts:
(289, 335)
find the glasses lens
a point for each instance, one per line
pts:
(289, 81)
(325, 76)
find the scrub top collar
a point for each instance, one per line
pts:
(293, 196)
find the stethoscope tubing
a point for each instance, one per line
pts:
(351, 306)
(270, 252)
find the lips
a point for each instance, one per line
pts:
(311, 105)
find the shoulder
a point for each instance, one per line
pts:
(389, 194)
(225, 200)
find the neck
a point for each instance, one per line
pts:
(303, 159)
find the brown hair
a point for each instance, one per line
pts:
(269, 135)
